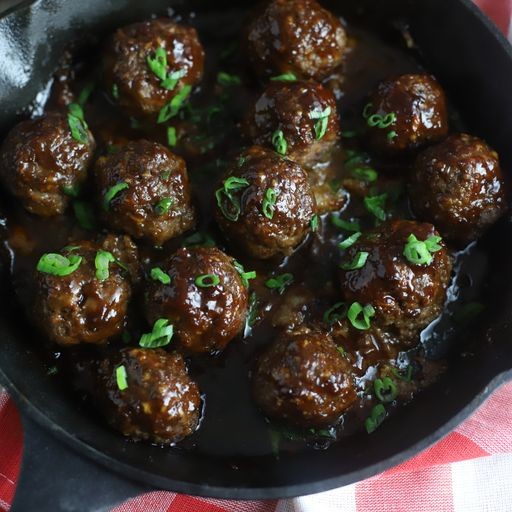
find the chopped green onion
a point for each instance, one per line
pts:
(279, 142)
(71, 191)
(420, 252)
(101, 263)
(121, 378)
(160, 336)
(377, 416)
(269, 203)
(354, 315)
(157, 274)
(323, 120)
(341, 350)
(84, 214)
(230, 185)
(385, 389)
(407, 376)
(58, 265)
(285, 77)
(85, 93)
(158, 63)
(172, 79)
(381, 121)
(163, 206)
(224, 78)
(334, 313)
(375, 205)
(115, 91)
(207, 280)
(173, 107)
(345, 224)
(172, 138)
(365, 174)
(366, 110)
(279, 283)
(77, 123)
(314, 223)
(350, 241)
(358, 262)
(112, 192)
(392, 135)
(245, 276)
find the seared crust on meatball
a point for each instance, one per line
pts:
(206, 300)
(127, 72)
(298, 110)
(154, 202)
(418, 105)
(297, 36)
(458, 185)
(80, 307)
(406, 296)
(302, 379)
(271, 211)
(161, 403)
(43, 165)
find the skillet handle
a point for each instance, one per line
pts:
(54, 478)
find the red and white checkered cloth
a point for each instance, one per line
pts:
(470, 470)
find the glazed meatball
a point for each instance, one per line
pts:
(129, 77)
(265, 203)
(305, 113)
(297, 36)
(42, 164)
(80, 303)
(303, 379)
(147, 394)
(406, 295)
(406, 113)
(205, 300)
(458, 185)
(144, 191)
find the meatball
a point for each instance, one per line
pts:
(205, 300)
(406, 113)
(458, 185)
(265, 203)
(305, 113)
(297, 36)
(82, 294)
(140, 87)
(303, 379)
(406, 295)
(147, 394)
(43, 164)
(144, 191)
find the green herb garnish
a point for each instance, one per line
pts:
(375, 205)
(358, 262)
(112, 192)
(360, 316)
(164, 206)
(121, 378)
(157, 274)
(207, 280)
(160, 336)
(377, 416)
(420, 252)
(101, 263)
(58, 265)
(229, 186)
(279, 142)
(334, 313)
(279, 283)
(285, 77)
(269, 203)
(350, 241)
(385, 389)
(322, 121)
(173, 107)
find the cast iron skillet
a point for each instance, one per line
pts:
(72, 463)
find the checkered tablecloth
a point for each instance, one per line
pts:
(468, 471)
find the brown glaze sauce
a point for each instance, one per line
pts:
(232, 426)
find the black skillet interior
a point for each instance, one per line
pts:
(474, 64)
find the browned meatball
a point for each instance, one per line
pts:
(303, 379)
(406, 296)
(458, 185)
(265, 203)
(147, 394)
(42, 164)
(128, 75)
(305, 113)
(206, 300)
(84, 304)
(406, 113)
(297, 36)
(144, 191)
